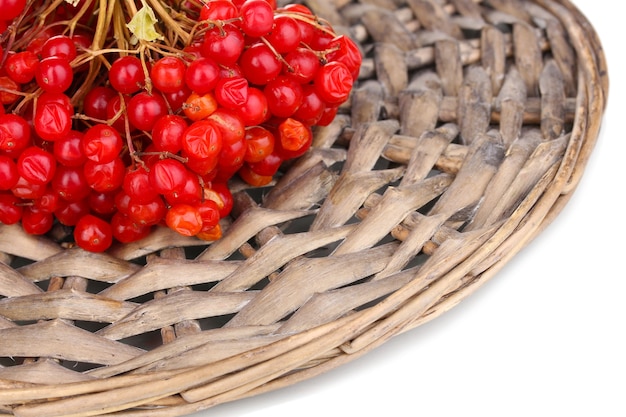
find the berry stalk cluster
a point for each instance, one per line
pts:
(118, 117)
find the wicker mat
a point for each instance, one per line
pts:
(466, 133)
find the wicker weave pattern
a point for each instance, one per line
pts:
(468, 131)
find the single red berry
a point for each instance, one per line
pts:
(218, 10)
(137, 185)
(333, 82)
(229, 123)
(184, 219)
(102, 143)
(293, 139)
(257, 17)
(104, 177)
(48, 201)
(144, 109)
(190, 194)
(54, 74)
(102, 203)
(15, 133)
(125, 230)
(96, 101)
(10, 208)
(168, 175)
(21, 66)
(259, 144)
(202, 139)
(168, 74)
(285, 34)
(167, 133)
(36, 165)
(231, 158)
(93, 234)
(70, 183)
(27, 190)
(9, 174)
(9, 90)
(223, 44)
(53, 116)
(10, 9)
(36, 221)
(210, 213)
(346, 51)
(68, 150)
(199, 106)
(60, 46)
(149, 213)
(312, 107)
(301, 64)
(231, 93)
(259, 64)
(284, 96)
(127, 75)
(254, 111)
(202, 74)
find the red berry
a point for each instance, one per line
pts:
(284, 96)
(218, 10)
(126, 74)
(53, 116)
(333, 82)
(184, 219)
(144, 109)
(60, 46)
(68, 150)
(96, 100)
(104, 177)
(36, 221)
(232, 92)
(54, 74)
(257, 17)
(93, 234)
(10, 9)
(285, 34)
(259, 144)
(168, 175)
(69, 212)
(223, 44)
(15, 134)
(202, 74)
(9, 174)
(102, 143)
(10, 208)
(21, 66)
(137, 185)
(202, 139)
(36, 165)
(147, 214)
(168, 74)
(259, 64)
(70, 183)
(254, 111)
(125, 230)
(167, 133)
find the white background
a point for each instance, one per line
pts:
(544, 337)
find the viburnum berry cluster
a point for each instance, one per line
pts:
(117, 121)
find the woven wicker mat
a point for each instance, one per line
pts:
(467, 132)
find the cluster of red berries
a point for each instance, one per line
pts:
(158, 140)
